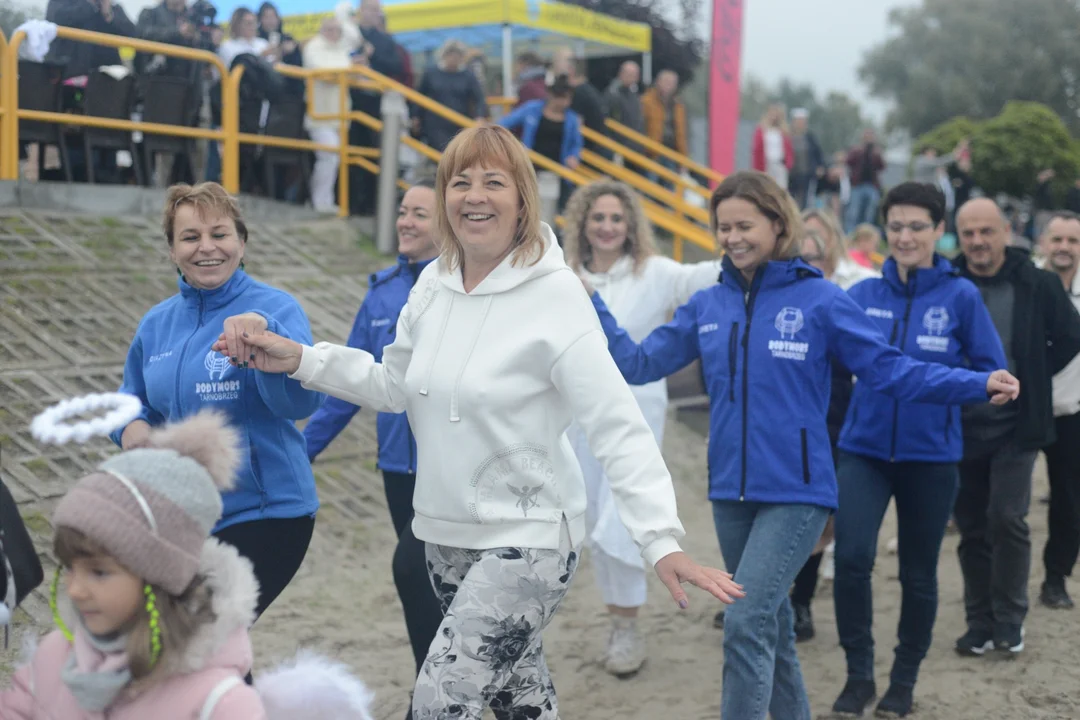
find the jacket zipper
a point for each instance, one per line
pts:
(805, 456)
(903, 326)
(748, 298)
(733, 357)
(183, 355)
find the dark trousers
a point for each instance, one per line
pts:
(1063, 465)
(275, 547)
(924, 494)
(422, 612)
(995, 541)
(362, 184)
(802, 592)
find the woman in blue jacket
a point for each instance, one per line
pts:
(375, 328)
(551, 128)
(270, 515)
(902, 449)
(766, 335)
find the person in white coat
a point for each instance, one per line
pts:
(330, 49)
(609, 241)
(497, 350)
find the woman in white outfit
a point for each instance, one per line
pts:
(330, 49)
(609, 241)
(497, 350)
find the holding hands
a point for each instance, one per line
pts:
(248, 344)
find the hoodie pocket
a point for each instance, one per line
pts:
(805, 456)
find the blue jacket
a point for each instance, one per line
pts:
(773, 343)
(374, 328)
(527, 117)
(937, 316)
(172, 370)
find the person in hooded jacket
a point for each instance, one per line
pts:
(374, 329)
(766, 336)
(496, 352)
(904, 451)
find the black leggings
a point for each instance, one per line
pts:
(422, 612)
(276, 548)
(802, 592)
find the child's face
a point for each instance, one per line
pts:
(106, 595)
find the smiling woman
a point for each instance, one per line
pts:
(496, 351)
(270, 515)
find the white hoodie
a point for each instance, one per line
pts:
(491, 380)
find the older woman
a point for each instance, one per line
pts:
(451, 84)
(499, 496)
(270, 516)
(766, 336)
(609, 241)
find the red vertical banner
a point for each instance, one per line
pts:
(724, 83)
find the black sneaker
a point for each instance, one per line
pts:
(975, 643)
(1054, 595)
(857, 694)
(1009, 639)
(896, 703)
(804, 623)
(718, 620)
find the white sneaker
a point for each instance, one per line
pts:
(626, 647)
(828, 564)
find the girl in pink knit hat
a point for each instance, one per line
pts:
(152, 613)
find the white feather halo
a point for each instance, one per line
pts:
(50, 427)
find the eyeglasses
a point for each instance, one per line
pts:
(915, 227)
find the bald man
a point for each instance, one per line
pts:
(1040, 331)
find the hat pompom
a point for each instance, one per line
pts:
(206, 438)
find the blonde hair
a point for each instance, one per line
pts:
(639, 237)
(774, 117)
(865, 231)
(208, 199)
(771, 200)
(179, 616)
(835, 240)
(490, 146)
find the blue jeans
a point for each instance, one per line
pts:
(862, 207)
(924, 493)
(764, 546)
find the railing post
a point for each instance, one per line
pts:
(393, 111)
(230, 125)
(344, 85)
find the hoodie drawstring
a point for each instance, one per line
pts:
(438, 345)
(454, 417)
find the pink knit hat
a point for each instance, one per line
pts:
(153, 508)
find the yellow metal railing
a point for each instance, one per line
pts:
(660, 149)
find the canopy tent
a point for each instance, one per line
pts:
(495, 26)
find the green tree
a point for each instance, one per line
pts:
(969, 57)
(1009, 151)
(12, 15)
(836, 120)
(946, 136)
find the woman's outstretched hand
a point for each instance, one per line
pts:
(677, 568)
(1002, 387)
(248, 344)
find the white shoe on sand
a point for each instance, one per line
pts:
(626, 647)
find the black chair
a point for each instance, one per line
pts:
(167, 100)
(285, 119)
(41, 88)
(107, 97)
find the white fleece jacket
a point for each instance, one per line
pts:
(491, 380)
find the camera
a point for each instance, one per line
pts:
(201, 14)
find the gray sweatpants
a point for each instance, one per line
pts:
(488, 651)
(995, 541)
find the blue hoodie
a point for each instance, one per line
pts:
(374, 328)
(936, 316)
(527, 117)
(772, 342)
(172, 370)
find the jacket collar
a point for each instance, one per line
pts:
(772, 274)
(218, 297)
(1016, 260)
(920, 280)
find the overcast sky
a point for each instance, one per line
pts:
(799, 39)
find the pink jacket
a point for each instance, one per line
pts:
(210, 672)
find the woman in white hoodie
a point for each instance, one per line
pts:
(609, 241)
(496, 351)
(329, 50)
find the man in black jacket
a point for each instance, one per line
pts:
(589, 104)
(1040, 331)
(96, 15)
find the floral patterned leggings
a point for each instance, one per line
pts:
(488, 651)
